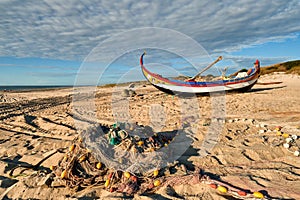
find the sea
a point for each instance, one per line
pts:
(31, 87)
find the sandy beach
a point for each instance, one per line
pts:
(249, 153)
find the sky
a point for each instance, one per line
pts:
(54, 42)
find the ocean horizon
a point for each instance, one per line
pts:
(31, 87)
(43, 87)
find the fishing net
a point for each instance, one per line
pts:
(135, 148)
(130, 159)
(127, 158)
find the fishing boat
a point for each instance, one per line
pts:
(190, 86)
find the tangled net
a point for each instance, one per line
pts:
(135, 148)
(107, 157)
(81, 167)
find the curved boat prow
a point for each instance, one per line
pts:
(142, 58)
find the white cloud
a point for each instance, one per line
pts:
(71, 29)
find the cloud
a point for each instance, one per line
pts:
(69, 30)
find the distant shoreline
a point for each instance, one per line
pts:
(24, 88)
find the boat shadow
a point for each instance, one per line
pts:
(253, 90)
(219, 93)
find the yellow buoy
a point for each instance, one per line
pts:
(127, 174)
(107, 182)
(222, 189)
(285, 135)
(156, 183)
(258, 195)
(72, 147)
(64, 174)
(99, 165)
(82, 158)
(278, 133)
(65, 158)
(155, 172)
(52, 167)
(140, 143)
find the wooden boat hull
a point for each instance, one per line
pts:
(174, 92)
(193, 87)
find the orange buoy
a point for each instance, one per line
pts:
(212, 185)
(133, 178)
(242, 193)
(150, 186)
(110, 175)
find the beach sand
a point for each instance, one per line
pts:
(248, 153)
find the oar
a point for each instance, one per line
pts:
(206, 68)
